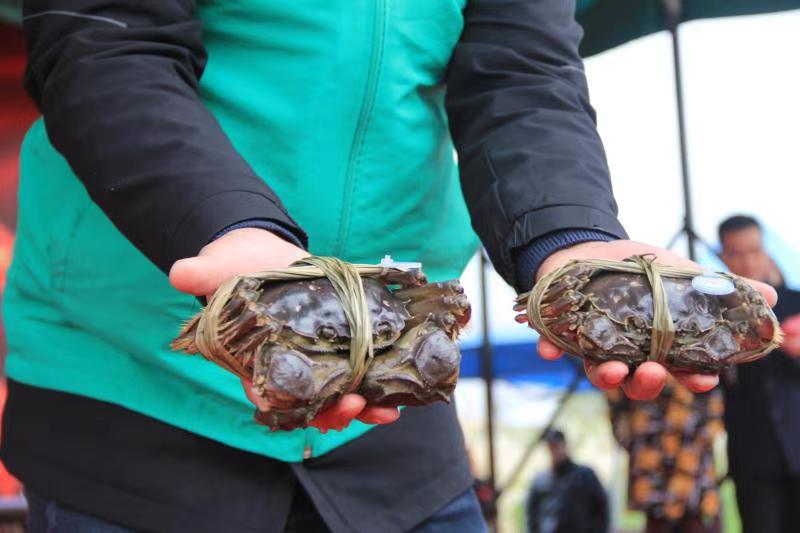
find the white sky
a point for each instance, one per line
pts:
(742, 89)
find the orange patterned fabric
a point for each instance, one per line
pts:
(670, 442)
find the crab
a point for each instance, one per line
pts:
(607, 316)
(293, 338)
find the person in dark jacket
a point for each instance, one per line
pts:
(183, 143)
(762, 399)
(568, 498)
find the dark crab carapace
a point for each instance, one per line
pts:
(609, 315)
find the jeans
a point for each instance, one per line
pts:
(462, 515)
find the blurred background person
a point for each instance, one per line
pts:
(763, 398)
(670, 444)
(568, 498)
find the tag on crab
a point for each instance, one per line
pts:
(712, 283)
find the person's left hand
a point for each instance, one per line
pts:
(649, 378)
(246, 250)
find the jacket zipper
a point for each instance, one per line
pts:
(367, 103)
(364, 114)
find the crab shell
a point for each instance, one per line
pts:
(609, 315)
(313, 320)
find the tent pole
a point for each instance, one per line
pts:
(526, 455)
(673, 13)
(487, 371)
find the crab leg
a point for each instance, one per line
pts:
(405, 278)
(244, 324)
(450, 288)
(448, 308)
(421, 367)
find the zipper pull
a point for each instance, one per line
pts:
(308, 441)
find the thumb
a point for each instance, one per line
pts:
(200, 275)
(767, 291)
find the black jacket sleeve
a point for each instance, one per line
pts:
(533, 507)
(597, 512)
(117, 83)
(530, 157)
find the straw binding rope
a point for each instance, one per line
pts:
(348, 288)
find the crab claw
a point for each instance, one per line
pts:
(420, 368)
(283, 376)
(296, 386)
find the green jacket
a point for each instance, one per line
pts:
(336, 105)
(333, 112)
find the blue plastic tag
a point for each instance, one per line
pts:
(714, 284)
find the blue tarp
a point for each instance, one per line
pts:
(519, 362)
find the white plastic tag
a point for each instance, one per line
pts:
(712, 283)
(388, 262)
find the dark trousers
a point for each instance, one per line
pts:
(462, 515)
(769, 506)
(47, 516)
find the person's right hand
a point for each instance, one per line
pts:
(248, 250)
(649, 378)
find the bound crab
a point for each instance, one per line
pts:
(604, 311)
(293, 340)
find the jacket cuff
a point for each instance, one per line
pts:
(221, 211)
(528, 259)
(264, 224)
(534, 225)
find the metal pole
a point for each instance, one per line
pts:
(523, 460)
(673, 12)
(487, 371)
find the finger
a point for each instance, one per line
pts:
(548, 350)
(199, 275)
(791, 326)
(647, 381)
(697, 382)
(379, 415)
(261, 403)
(767, 291)
(339, 415)
(791, 342)
(606, 375)
(522, 319)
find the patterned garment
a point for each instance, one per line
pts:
(669, 441)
